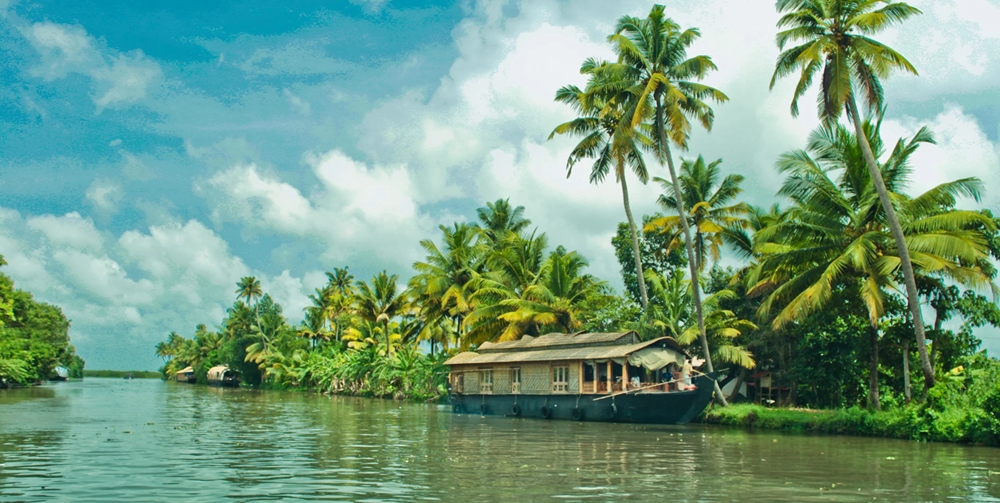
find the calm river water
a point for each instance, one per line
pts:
(111, 440)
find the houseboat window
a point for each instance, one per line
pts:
(459, 382)
(560, 379)
(515, 380)
(486, 381)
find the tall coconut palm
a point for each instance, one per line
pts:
(440, 286)
(835, 38)
(499, 221)
(380, 302)
(248, 289)
(711, 208)
(837, 234)
(611, 144)
(653, 65)
(550, 302)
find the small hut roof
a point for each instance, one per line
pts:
(560, 352)
(185, 370)
(219, 368)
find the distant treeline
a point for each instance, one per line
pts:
(138, 374)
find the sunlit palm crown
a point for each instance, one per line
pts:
(711, 207)
(833, 37)
(835, 231)
(653, 68)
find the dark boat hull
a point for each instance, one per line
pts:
(224, 384)
(677, 407)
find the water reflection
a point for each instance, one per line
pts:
(142, 440)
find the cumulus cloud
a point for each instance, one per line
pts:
(118, 78)
(135, 288)
(357, 209)
(962, 150)
(104, 196)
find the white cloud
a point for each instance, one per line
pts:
(105, 196)
(70, 230)
(356, 210)
(962, 150)
(118, 78)
(126, 79)
(136, 288)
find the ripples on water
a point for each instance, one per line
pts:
(106, 440)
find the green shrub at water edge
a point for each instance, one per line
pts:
(963, 407)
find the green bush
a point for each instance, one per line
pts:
(963, 407)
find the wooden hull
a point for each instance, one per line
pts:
(677, 407)
(224, 384)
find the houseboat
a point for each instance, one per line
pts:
(220, 375)
(610, 377)
(62, 374)
(186, 374)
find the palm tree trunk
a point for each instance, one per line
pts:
(906, 371)
(874, 402)
(695, 288)
(635, 246)
(912, 297)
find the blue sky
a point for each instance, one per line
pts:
(151, 153)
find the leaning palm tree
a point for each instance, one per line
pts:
(836, 234)
(611, 144)
(712, 211)
(653, 65)
(835, 37)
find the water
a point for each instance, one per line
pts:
(110, 440)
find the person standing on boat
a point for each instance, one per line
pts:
(686, 372)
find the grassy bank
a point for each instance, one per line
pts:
(963, 407)
(138, 374)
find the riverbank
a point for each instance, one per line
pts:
(913, 422)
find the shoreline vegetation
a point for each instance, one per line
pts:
(34, 338)
(823, 306)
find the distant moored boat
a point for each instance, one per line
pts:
(185, 374)
(62, 373)
(221, 375)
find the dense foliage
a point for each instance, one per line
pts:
(34, 338)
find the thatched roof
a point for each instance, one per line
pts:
(186, 370)
(556, 347)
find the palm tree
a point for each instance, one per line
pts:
(836, 37)
(439, 287)
(710, 211)
(380, 302)
(248, 289)
(499, 220)
(550, 301)
(653, 65)
(608, 140)
(836, 232)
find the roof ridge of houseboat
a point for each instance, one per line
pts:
(559, 340)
